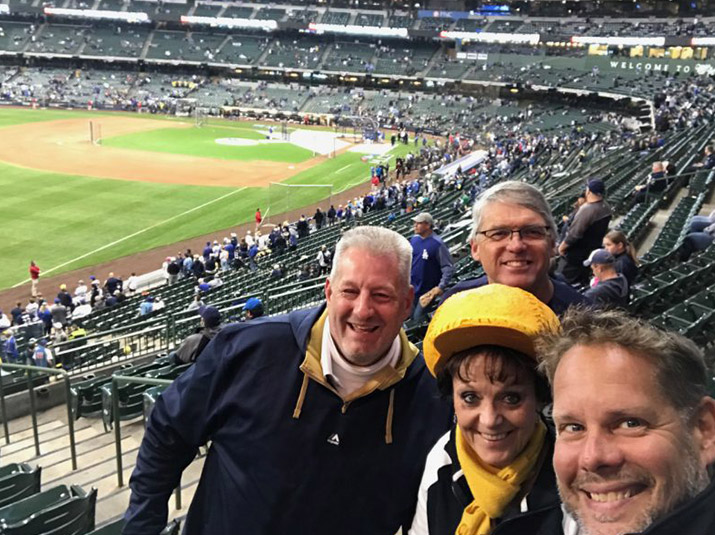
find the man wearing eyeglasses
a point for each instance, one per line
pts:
(514, 238)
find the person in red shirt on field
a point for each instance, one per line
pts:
(259, 217)
(34, 277)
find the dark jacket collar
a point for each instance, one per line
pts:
(694, 517)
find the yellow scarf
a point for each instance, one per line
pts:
(493, 491)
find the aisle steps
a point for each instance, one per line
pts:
(96, 460)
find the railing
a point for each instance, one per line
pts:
(123, 346)
(140, 339)
(116, 381)
(117, 331)
(31, 390)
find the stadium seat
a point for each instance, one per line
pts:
(115, 528)
(131, 395)
(86, 397)
(150, 396)
(694, 317)
(72, 517)
(61, 510)
(18, 481)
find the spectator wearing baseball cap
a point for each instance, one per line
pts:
(253, 308)
(210, 316)
(612, 287)
(585, 233)
(191, 348)
(65, 297)
(432, 267)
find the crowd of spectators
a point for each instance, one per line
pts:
(512, 146)
(50, 321)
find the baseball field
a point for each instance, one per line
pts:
(148, 181)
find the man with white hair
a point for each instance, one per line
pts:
(514, 237)
(320, 420)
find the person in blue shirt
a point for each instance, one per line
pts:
(40, 355)
(432, 267)
(10, 349)
(147, 306)
(612, 287)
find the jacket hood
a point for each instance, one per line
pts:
(618, 286)
(307, 328)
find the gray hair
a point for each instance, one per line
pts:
(680, 368)
(513, 192)
(378, 241)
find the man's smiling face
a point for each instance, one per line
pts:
(368, 300)
(513, 261)
(624, 456)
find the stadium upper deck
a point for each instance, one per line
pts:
(173, 57)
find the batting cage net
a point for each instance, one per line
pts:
(199, 117)
(95, 133)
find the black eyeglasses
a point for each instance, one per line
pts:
(531, 233)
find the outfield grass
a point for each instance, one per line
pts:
(54, 218)
(202, 142)
(342, 173)
(65, 222)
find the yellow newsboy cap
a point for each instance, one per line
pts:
(492, 314)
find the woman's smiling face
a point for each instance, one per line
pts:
(496, 418)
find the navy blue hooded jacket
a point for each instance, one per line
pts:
(287, 454)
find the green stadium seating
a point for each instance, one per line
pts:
(18, 481)
(86, 396)
(131, 395)
(115, 528)
(207, 10)
(18, 511)
(61, 510)
(694, 317)
(149, 399)
(15, 36)
(16, 381)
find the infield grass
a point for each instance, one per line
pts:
(202, 142)
(66, 222)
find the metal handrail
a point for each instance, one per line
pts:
(102, 335)
(152, 338)
(116, 380)
(70, 418)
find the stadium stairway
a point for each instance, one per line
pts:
(96, 460)
(656, 223)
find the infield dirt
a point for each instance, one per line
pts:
(64, 147)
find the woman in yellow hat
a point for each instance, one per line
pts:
(496, 462)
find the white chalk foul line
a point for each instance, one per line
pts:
(343, 168)
(120, 240)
